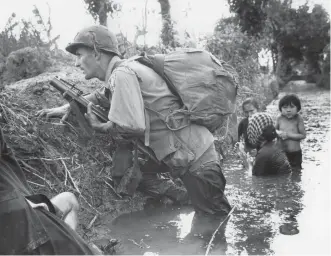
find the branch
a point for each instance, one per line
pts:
(219, 226)
(69, 174)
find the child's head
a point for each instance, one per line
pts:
(289, 105)
(250, 107)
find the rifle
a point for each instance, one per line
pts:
(77, 102)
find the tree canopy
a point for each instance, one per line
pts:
(298, 34)
(99, 9)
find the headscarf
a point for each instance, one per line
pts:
(256, 125)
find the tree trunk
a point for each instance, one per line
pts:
(102, 13)
(278, 71)
(167, 34)
(279, 59)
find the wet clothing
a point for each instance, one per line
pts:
(151, 183)
(271, 160)
(295, 159)
(156, 185)
(25, 230)
(206, 185)
(138, 96)
(242, 133)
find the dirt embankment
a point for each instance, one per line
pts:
(57, 157)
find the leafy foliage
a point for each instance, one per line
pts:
(168, 32)
(324, 80)
(237, 48)
(99, 9)
(36, 39)
(251, 15)
(240, 50)
(291, 34)
(30, 34)
(24, 63)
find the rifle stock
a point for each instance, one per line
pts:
(72, 94)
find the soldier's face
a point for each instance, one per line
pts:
(86, 61)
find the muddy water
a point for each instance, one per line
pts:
(274, 215)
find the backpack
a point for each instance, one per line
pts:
(206, 86)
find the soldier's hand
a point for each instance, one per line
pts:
(62, 111)
(92, 118)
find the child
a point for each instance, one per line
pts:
(250, 107)
(291, 129)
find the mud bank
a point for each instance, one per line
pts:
(285, 214)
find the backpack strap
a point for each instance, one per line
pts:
(156, 63)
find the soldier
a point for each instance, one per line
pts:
(137, 99)
(33, 224)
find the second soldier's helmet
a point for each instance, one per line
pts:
(96, 37)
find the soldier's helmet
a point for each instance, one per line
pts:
(96, 37)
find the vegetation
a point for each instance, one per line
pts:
(99, 9)
(26, 47)
(167, 33)
(293, 35)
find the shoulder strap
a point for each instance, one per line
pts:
(156, 63)
(116, 64)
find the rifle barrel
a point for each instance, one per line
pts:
(63, 88)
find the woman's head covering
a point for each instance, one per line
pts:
(256, 127)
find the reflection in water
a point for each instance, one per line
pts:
(184, 224)
(274, 215)
(265, 205)
(265, 208)
(168, 230)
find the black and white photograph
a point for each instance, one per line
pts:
(165, 127)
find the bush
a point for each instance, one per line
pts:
(324, 80)
(25, 63)
(2, 63)
(228, 43)
(19, 34)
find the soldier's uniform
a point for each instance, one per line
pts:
(139, 101)
(25, 230)
(135, 92)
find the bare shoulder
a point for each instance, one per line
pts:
(299, 118)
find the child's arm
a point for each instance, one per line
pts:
(302, 131)
(277, 123)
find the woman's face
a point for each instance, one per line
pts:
(249, 110)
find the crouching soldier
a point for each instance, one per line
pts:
(138, 100)
(33, 224)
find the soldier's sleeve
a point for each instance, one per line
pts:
(127, 106)
(100, 97)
